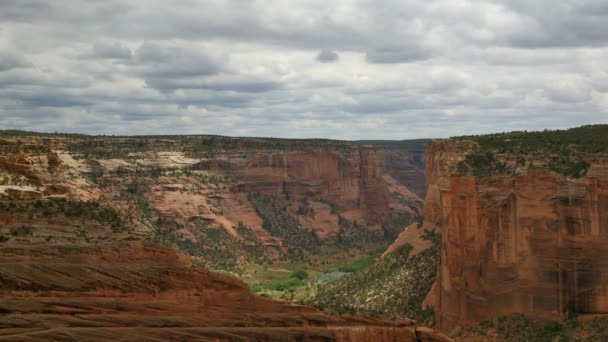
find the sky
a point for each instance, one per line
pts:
(368, 69)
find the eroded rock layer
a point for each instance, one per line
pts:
(71, 274)
(257, 199)
(533, 241)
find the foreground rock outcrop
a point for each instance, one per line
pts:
(73, 273)
(521, 238)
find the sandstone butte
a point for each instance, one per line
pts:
(535, 242)
(73, 278)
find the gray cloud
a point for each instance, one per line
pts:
(560, 24)
(10, 61)
(389, 55)
(156, 61)
(407, 69)
(217, 84)
(112, 51)
(327, 56)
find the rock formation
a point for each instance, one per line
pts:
(532, 241)
(78, 262)
(181, 186)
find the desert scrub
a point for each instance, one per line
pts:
(392, 286)
(59, 207)
(564, 151)
(353, 234)
(279, 223)
(481, 163)
(521, 328)
(394, 225)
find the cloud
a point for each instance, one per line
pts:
(234, 84)
(156, 61)
(567, 23)
(391, 55)
(111, 50)
(10, 61)
(327, 56)
(406, 69)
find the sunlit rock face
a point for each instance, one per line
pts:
(535, 242)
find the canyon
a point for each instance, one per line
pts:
(101, 237)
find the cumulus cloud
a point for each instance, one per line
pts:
(406, 69)
(327, 56)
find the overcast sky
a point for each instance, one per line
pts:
(366, 69)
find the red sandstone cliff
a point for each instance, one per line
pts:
(352, 179)
(535, 242)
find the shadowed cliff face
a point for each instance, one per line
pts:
(532, 242)
(352, 180)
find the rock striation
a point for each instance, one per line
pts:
(75, 272)
(533, 241)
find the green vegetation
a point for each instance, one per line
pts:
(283, 287)
(569, 168)
(299, 274)
(519, 328)
(353, 234)
(359, 264)
(482, 164)
(395, 225)
(334, 209)
(215, 248)
(584, 139)
(59, 207)
(392, 286)
(563, 151)
(277, 221)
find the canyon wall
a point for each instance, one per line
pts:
(351, 179)
(532, 242)
(84, 253)
(256, 199)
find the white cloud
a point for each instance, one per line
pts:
(390, 69)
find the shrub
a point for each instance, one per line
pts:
(299, 274)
